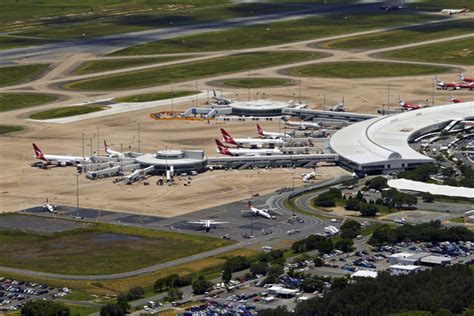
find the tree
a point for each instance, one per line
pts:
(368, 209)
(237, 263)
(318, 262)
(310, 285)
(259, 268)
(135, 293)
(174, 294)
(427, 197)
(325, 200)
(344, 244)
(279, 311)
(359, 195)
(377, 183)
(227, 275)
(352, 204)
(112, 310)
(350, 229)
(200, 286)
(44, 308)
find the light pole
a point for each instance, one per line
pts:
(77, 191)
(433, 93)
(98, 138)
(82, 145)
(138, 128)
(388, 96)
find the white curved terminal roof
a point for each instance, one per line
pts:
(385, 138)
(436, 189)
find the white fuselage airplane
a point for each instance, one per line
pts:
(220, 100)
(455, 11)
(50, 207)
(250, 142)
(309, 176)
(338, 107)
(271, 135)
(112, 153)
(410, 106)
(207, 224)
(59, 159)
(302, 125)
(259, 212)
(221, 148)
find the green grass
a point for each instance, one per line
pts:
(5, 129)
(90, 67)
(350, 70)
(459, 52)
(15, 101)
(80, 310)
(13, 75)
(367, 231)
(403, 36)
(253, 82)
(438, 5)
(273, 33)
(66, 112)
(412, 313)
(161, 15)
(457, 220)
(8, 42)
(79, 295)
(191, 71)
(101, 249)
(154, 96)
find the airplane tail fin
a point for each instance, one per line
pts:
(222, 148)
(227, 137)
(38, 153)
(106, 146)
(214, 92)
(259, 130)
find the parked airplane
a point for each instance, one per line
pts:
(250, 142)
(302, 124)
(207, 224)
(454, 86)
(50, 207)
(272, 135)
(220, 100)
(309, 176)
(454, 100)
(455, 11)
(112, 153)
(259, 212)
(221, 148)
(410, 106)
(469, 80)
(338, 107)
(60, 160)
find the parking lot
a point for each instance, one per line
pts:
(14, 293)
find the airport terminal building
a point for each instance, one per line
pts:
(381, 145)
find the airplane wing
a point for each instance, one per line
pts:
(219, 223)
(197, 222)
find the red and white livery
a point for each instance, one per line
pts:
(250, 142)
(271, 135)
(221, 148)
(58, 159)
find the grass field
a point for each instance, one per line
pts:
(66, 112)
(191, 71)
(5, 129)
(349, 70)
(7, 42)
(154, 96)
(15, 101)
(438, 5)
(100, 249)
(272, 33)
(90, 67)
(13, 75)
(252, 82)
(154, 14)
(403, 36)
(459, 52)
(80, 310)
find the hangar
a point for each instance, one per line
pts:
(381, 144)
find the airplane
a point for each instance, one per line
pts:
(469, 80)
(50, 207)
(207, 224)
(59, 159)
(454, 100)
(259, 212)
(112, 153)
(249, 142)
(410, 106)
(455, 11)
(302, 124)
(309, 176)
(220, 100)
(272, 135)
(454, 86)
(338, 107)
(221, 148)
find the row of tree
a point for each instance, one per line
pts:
(323, 244)
(429, 232)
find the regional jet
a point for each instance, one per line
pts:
(455, 11)
(309, 176)
(112, 153)
(250, 142)
(410, 106)
(338, 107)
(271, 135)
(50, 207)
(454, 86)
(454, 100)
(259, 212)
(221, 148)
(60, 160)
(207, 224)
(220, 100)
(302, 124)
